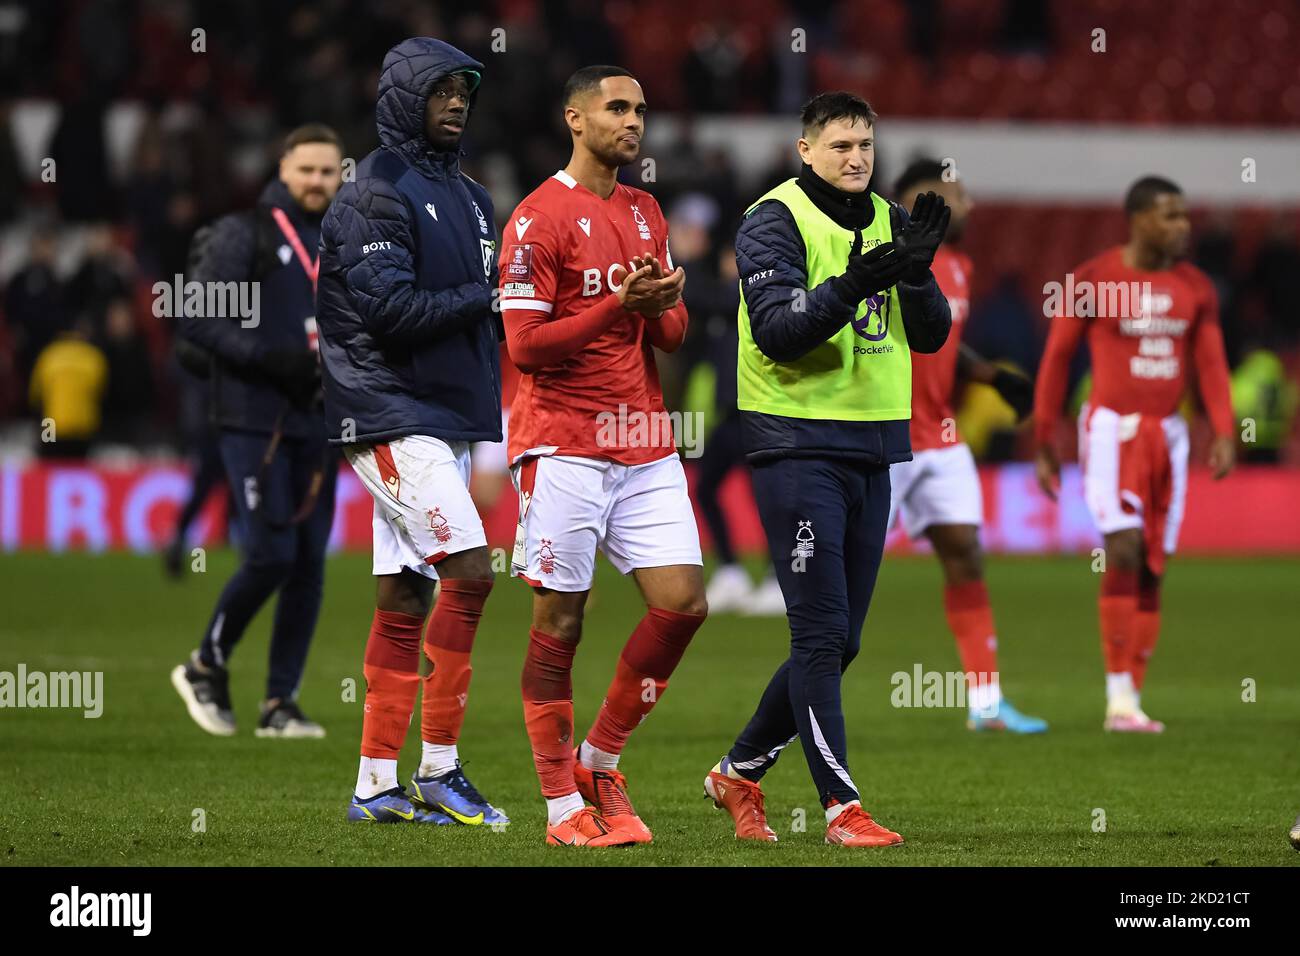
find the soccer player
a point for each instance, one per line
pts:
(265, 403)
(938, 491)
(412, 376)
(836, 289)
(587, 287)
(1147, 316)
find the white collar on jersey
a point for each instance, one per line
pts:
(565, 178)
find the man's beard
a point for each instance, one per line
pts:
(314, 202)
(615, 158)
(442, 141)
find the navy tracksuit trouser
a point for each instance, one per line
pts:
(825, 520)
(288, 559)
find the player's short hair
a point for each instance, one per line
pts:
(918, 171)
(1142, 194)
(311, 133)
(587, 80)
(828, 107)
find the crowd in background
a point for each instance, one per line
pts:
(87, 248)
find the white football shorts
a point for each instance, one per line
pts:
(938, 486)
(423, 511)
(1105, 436)
(639, 515)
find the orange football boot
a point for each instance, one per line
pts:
(587, 828)
(854, 827)
(607, 791)
(743, 799)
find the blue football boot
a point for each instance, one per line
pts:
(1006, 718)
(453, 794)
(392, 806)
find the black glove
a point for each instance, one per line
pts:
(920, 239)
(1016, 390)
(872, 272)
(295, 372)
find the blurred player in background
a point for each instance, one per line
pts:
(730, 589)
(937, 493)
(1147, 316)
(587, 287)
(409, 341)
(836, 291)
(265, 397)
(490, 473)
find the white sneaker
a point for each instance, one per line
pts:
(767, 600)
(206, 693)
(286, 719)
(1125, 716)
(729, 589)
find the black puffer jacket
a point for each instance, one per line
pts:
(247, 247)
(408, 334)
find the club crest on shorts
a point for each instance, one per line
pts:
(546, 557)
(438, 525)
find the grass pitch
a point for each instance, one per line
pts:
(1219, 788)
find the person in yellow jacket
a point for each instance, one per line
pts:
(836, 293)
(67, 390)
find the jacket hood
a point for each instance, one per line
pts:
(410, 70)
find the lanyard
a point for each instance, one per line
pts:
(309, 266)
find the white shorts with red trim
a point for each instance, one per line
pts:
(423, 511)
(639, 515)
(938, 486)
(1104, 437)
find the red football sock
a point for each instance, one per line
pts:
(392, 671)
(447, 643)
(1146, 627)
(970, 618)
(547, 686)
(648, 660)
(1116, 608)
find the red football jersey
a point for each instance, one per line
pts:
(1142, 329)
(933, 376)
(602, 398)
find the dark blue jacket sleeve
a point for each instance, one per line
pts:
(226, 256)
(498, 321)
(926, 316)
(786, 318)
(381, 282)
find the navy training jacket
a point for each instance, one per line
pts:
(248, 246)
(408, 334)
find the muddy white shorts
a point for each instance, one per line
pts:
(1121, 484)
(423, 511)
(639, 515)
(938, 486)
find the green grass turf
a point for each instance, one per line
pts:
(1219, 788)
